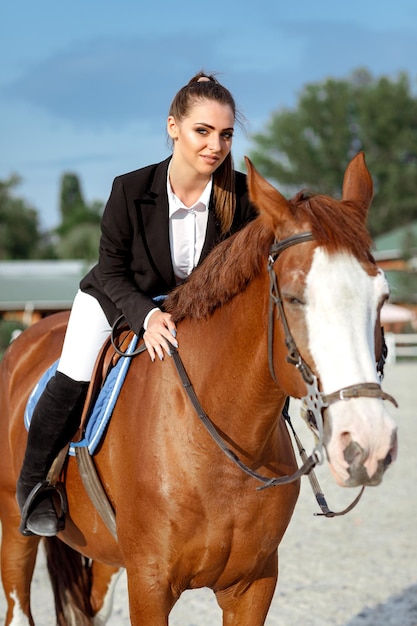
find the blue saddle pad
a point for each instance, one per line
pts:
(103, 407)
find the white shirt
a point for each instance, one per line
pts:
(187, 233)
(187, 230)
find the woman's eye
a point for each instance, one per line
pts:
(201, 131)
(227, 135)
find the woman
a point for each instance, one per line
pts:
(159, 223)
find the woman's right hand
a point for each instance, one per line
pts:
(160, 334)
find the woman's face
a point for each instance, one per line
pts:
(203, 139)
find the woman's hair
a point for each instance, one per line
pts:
(206, 87)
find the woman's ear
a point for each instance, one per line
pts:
(172, 127)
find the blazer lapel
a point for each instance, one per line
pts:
(154, 215)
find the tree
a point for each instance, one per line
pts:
(311, 145)
(71, 197)
(79, 231)
(81, 242)
(20, 237)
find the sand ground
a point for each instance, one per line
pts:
(356, 570)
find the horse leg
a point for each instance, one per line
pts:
(248, 604)
(150, 597)
(18, 557)
(104, 580)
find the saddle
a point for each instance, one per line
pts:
(112, 351)
(107, 359)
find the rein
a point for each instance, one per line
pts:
(309, 462)
(213, 432)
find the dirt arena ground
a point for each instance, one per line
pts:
(356, 570)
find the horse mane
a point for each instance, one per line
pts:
(235, 262)
(225, 273)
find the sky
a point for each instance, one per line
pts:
(85, 86)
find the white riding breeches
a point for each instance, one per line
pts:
(87, 331)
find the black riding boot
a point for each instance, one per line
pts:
(55, 420)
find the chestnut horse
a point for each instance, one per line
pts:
(297, 286)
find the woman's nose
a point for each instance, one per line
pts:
(215, 143)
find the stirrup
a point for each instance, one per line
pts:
(41, 488)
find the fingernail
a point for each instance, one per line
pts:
(173, 332)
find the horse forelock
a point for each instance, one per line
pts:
(224, 274)
(337, 225)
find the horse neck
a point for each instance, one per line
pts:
(226, 357)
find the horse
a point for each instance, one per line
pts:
(287, 307)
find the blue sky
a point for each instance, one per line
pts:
(85, 86)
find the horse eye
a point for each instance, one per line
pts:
(294, 300)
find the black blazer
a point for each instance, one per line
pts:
(134, 258)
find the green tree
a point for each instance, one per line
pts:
(20, 235)
(81, 242)
(311, 145)
(79, 231)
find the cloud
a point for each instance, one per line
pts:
(110, 83)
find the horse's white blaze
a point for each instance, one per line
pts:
(340, 316)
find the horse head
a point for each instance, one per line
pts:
(328, 292)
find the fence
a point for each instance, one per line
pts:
(401, 346)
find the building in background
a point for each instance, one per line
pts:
(30, 290)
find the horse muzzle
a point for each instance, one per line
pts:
(362, 471)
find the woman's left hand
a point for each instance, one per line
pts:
(160, 334)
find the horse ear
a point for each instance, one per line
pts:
(270, 203)
(357, 183)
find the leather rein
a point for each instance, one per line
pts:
(313, 403)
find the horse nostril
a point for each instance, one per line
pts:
(354, 454)
(394, 446)
(345, 439)
(387, 461)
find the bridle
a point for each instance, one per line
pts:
(315, 401)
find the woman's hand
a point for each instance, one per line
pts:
(159, 334)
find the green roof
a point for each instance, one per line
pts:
(402, 239)
(39, 285)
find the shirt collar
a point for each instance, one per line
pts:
(175, 204)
